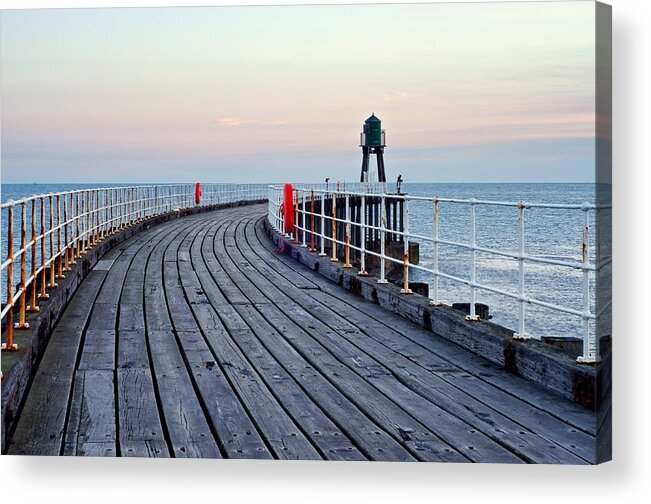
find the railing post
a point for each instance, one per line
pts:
(312, 248)
(66, 250)
(52, 282)
(43, 294)
(322, 233)
(590, 340)
(91, 218)
(82, 221)
(303, 220)
(382, 279)
(33, 307)
(103, 231)
(23, 267)
(521, 295)
(434, 300)
(72, 215)
(277, 198)
(59, 259)
(281, 213)
(9, 344)
(347, 231)
(97, 217)
(90, 221)
(77, 225)
(473, 317)
(362, 234)
(333, 257)
(296, 216)
(405, 249)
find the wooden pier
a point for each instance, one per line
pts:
(197, 338)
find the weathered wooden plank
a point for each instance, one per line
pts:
(98, 352)
(139, 425)
(238, 435)
(221, 244)
(92, 427)
(132, 350)
(186, 425)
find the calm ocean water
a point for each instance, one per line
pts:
(549, 233)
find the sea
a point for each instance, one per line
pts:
(549, 233)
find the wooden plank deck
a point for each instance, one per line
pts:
(200, 340)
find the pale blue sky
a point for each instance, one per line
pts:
(466, 92)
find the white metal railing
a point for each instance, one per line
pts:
(65, 225)
(307, 197)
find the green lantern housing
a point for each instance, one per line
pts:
(372, 141)
(372, 135)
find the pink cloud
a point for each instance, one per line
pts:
(238, 121)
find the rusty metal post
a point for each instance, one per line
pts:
(434, 300)
(109, 212)
(383, 224)
(333, 258)
(137, 198)
(521, 294)
(33, 308)
(303, 218)
(295, 215)
(59, 259)
(132, 207)
(66, 250)
(43, 294)
(347, 232)
(9, 344)
(405, 249)
(95, 216)
(23, 268)
(91, 214)
(312, 249)
(52, 259)
(103, 214)
(99, 220)
(72, 252)
(473, 317)
(591, 352)
(362, 239)
(119, 207)
(322, 236)
(84, 222)
(92, 211)
(77, 246)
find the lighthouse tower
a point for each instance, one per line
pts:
(372, 142)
